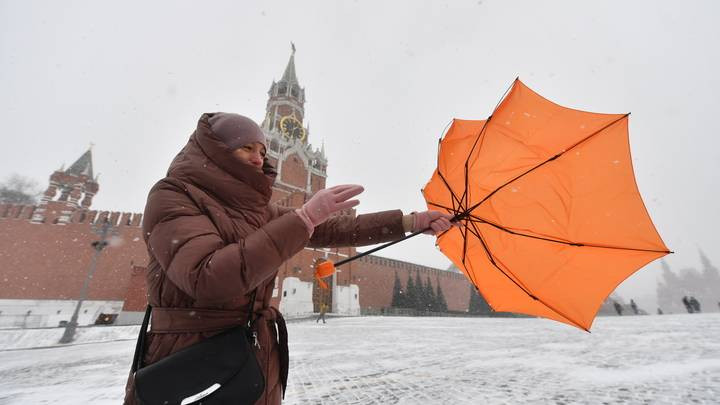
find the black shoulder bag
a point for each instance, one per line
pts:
(218, 370)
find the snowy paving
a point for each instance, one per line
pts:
(671, 359)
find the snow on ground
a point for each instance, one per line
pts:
(668, 359)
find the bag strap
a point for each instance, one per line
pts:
(140, 345)
(250, 322)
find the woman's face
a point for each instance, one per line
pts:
(252, 154)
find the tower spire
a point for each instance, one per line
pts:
(286, 99)
(289, 75)
(82, 166)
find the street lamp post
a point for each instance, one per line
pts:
(98, 245)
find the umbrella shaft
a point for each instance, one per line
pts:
(349, 259)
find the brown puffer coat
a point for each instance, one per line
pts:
(213, 238)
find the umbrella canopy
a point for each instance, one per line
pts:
(552, 219)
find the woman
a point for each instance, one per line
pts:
(214, 238)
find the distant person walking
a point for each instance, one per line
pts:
(660, 312)
(323, 309)
(618, 308)
(695, 304)
(687, 304)
(634, 307)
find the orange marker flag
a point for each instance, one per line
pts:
(324, 269)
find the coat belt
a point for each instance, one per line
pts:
(194, 320)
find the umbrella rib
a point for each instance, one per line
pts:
(473, 280)
(492, 260)
(447, 185)
(558, 240)
(442, 206)
(452, 194)
(523, 288)
(465, 241)
(481, 138)
(489, 118)
(506, 92)
(467, 160)
(547, 161)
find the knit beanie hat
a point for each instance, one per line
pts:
(236, 130)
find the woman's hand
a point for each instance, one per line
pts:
(327, 202)
(438, 222)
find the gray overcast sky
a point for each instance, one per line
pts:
(382, 80)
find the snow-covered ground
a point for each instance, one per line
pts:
(670, 359)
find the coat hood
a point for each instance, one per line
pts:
(207, 162)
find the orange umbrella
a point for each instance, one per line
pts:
(552, 219)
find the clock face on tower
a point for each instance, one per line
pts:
(292, 128)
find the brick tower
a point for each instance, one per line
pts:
(68, 191)
(302, 169)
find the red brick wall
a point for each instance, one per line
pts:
(317, 183)
(278, 195)
(136, 292)
(294, 172)
(48, 261)
(376, 277)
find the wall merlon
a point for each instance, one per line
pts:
(91, 217)
(102, 217)
(26, 212)
(114, 218)
(137, 220)
(78, 217)
(14, 211)
(125, 219)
